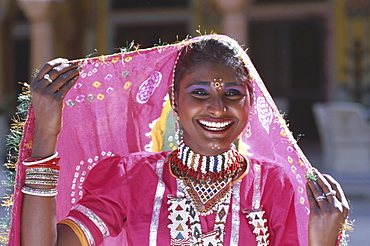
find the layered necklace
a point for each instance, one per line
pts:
(200, 168)
(205, 187)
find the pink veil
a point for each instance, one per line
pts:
(120, 105)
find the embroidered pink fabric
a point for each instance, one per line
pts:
(117, 106)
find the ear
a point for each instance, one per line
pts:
(171, 95)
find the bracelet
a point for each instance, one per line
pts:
(42, 177)
(52, 166)
(34, 161)
(40, 182)
(42, 170)
(39, 192)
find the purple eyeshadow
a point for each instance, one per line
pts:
(235, 88)
(197, 87)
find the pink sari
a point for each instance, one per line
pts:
(120, 105)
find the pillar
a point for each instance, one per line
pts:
(39, 14)
(234, 22)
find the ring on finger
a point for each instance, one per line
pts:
(320, 198)
(47, 77)
(331, 193)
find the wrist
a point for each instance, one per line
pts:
(44, 144)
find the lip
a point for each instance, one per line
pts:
(215, 126)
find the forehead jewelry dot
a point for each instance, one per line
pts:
(217, 83)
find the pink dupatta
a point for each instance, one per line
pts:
(120, 105)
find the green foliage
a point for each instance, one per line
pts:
(13, 139)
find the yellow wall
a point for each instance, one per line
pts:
(348, 30)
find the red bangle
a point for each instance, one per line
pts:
(54, 161)
(36, 161)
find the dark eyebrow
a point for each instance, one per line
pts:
(227, 84)
(208, 83)
(198, 83)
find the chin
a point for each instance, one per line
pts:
(214, 147)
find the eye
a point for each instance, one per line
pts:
(234, 93)
(200, 93)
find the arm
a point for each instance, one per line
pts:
(38, 222)
(329, 213)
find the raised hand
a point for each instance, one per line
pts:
(48, 89)
(329, 210)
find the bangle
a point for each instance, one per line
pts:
(40, 182)
(39, 192)
(53, 166)
(35, 161)
(42, 177)
(42, 170)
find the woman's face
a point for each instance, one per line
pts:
(213, 108)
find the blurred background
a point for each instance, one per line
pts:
(313, 55)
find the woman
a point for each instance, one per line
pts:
(204, 192)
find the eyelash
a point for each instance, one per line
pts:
(232, 93)
(229, 93)
(199, 92)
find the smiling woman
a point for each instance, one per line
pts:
(207, 191)
(203, 108)
(212, 96)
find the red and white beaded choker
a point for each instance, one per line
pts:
(186, 163)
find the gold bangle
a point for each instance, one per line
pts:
(40, 182)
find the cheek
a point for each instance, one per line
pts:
(243, 108)
(188, 108)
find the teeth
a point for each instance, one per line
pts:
(215, 126)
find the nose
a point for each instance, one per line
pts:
(216, 106)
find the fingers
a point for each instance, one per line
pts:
(339, 193)
(336, 187)
(326, 192)
(319, 188)
(311, 197)
(56, 77)
(323, 192)
(325, 187)
(68, 81)
(63, 77)
(46, 69)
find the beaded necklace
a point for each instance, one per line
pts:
(199, 168)
(206, 185)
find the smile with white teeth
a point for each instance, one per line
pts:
(215, 126)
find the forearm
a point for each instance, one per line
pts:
(38, 212)
(38, 225)
(44, 144)
(38, 219)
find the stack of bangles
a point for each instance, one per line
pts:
(41, 171)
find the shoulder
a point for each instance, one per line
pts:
(273, 175)
(270, 168)
(130, 160)
(118, 167)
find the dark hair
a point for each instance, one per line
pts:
(213, 51)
